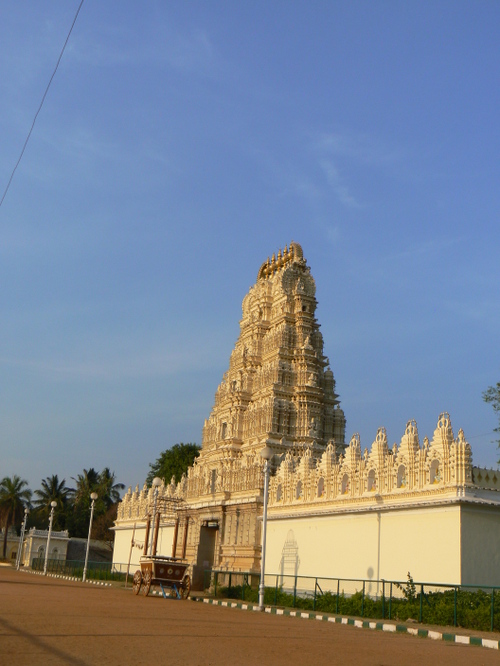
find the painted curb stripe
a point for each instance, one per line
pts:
(367, 624)
(72, 578)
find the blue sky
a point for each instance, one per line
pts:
(181, 144)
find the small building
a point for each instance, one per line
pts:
(35, 544)
(12, 543)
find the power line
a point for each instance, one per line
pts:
(483, 434)
(41, 103)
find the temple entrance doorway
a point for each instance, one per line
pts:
(206, 552)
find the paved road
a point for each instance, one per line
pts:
(50, 621)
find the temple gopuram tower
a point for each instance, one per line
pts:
(278, 391)
(279, 388)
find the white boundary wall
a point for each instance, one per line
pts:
(452, 544)
(429, 542)
(123, 538)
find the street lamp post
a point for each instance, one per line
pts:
(21, 539)
(93, 497)
(267, 454)
(53, 504)
(156, 485)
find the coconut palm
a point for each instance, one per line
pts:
(86, 483)
(108, 489)
(52, 490)
(15, 496)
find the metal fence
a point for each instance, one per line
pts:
(74, 568)
(472, 607)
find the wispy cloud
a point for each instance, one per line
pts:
(479, 310)
(360, 148)
(339, 187)
(189, 52)
(426, 247)
(159, 363)
(339, 153)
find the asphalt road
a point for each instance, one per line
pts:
(51, 621)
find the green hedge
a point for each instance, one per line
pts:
(461, 607)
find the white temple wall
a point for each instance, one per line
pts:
(379, 545)
(480, 546)
(123, 538)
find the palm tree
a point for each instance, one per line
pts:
(52, 490)
(108, 490)
(14, 498)
(86, 483)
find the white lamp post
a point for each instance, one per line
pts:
(93, 497)
(21, 539)
(156, 485)
(53, 504)
(267, 454)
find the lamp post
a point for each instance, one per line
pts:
(267, 454)
(21, 539)
(93, 497)
(53, 504)
(156, 485)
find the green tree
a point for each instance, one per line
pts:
(173, 462)
(108, 489)
(492, 397)
(86, 484)
(52, 490)
(102, 524)
(15, 496)
(108, 492)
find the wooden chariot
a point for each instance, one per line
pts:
(167, 572)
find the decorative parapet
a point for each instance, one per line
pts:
(307, 478)
(33, 532)
(231, 473)
(139, 503)
(276, 263)
(487, 479)
(408, 468)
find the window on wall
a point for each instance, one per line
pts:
(213, 477)
(371, 483)
(435, 472)
(13, 555)
(344, 488)
(224, 430)
(298, 490)
(321, 487)
(401, 483)
(279, 493)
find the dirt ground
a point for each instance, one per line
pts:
(51, 621)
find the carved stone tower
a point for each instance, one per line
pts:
(279, 388)
(278, 391)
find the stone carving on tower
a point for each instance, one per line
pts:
(278, 391)
(279, 388)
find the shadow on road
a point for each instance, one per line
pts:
(40, 645)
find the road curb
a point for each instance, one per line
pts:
(100, 583)
(361, 624)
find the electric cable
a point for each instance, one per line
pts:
(41, 104)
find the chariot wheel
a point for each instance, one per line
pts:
(137, 581)
(185, 587)
(146, 583)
